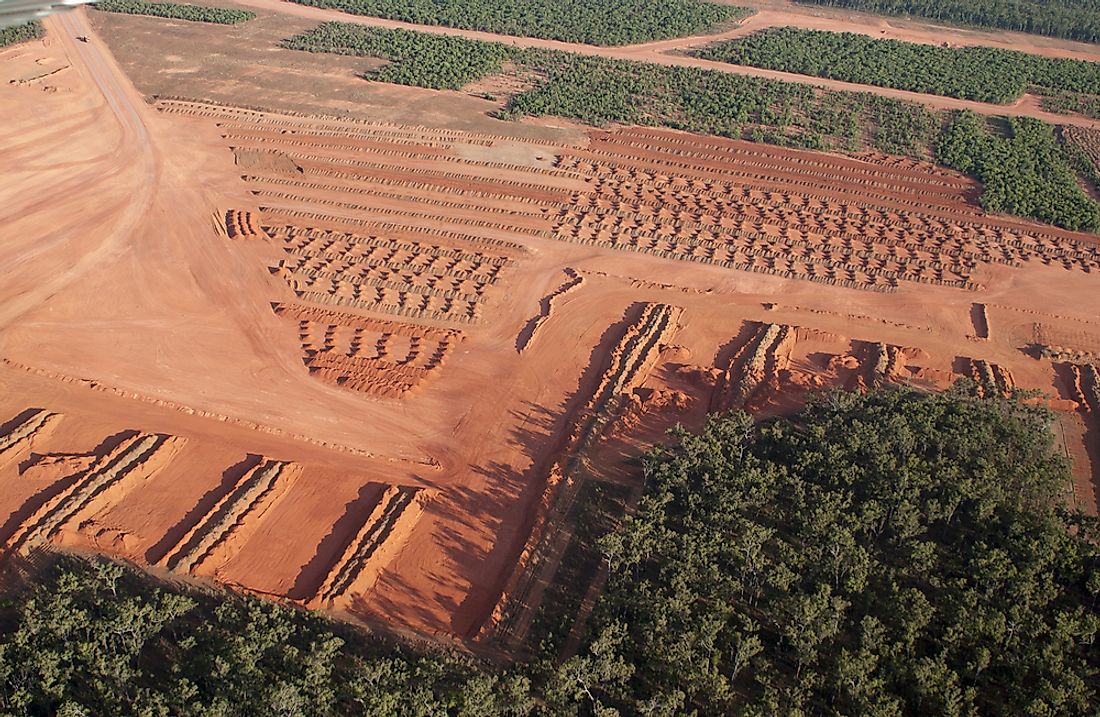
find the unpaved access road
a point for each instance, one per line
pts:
(135, 150)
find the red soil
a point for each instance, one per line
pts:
(367, 330)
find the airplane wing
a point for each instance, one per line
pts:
(17, 12)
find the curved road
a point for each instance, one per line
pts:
(654, 52)
(125, 105)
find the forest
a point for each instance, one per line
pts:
(1070, 19)
(416, 58)
(1027, 173)
(90, 637)
(20, 33)
(984, 74)
(894, 553)
(606, 22)
(176, 11)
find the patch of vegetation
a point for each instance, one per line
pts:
(416, 58)
(597, 510)
(21, 33)
(176, 11)
(93, 638)
(1071, 103)
(594, 22)
(1027, 174)
(984, 74)
(886, 554)
(1071, 19)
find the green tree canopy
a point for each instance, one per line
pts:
(886, 554)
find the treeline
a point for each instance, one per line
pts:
(93, 638)
(1070, 19)
(594, 22)
(984, 74)
(176, 11)
(21, 33)
(1027, 173)
(884, 555)
(416, 58)
(600, 90)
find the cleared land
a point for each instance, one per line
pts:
(400, 366)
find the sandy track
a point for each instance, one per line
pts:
(655, 53)
(135, 149)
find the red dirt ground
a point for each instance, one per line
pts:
(418, 330)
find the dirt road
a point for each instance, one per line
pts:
(656, 53)
(134, 150)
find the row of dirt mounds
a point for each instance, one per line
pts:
(650, 329)
(378, 540)
(1086, 387)
(763, 356)
(991, 379)
(374, 356)
(1083, 382)
(78, 499)
(20, 434)
(242, 225)
(735, 204)
(231, 521)
(251, 118)
(387, 275)
(108, 479)
(885, 362)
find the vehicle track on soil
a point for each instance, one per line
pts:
(123, 100)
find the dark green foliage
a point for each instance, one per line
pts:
(984, 74)
(1071, 19)
(889, 554)
(1027, 174)
(174, 11)
(595, 22)
(1071, 103)
(417, 58)
(97, 639)
(596, 511)
(20, 33)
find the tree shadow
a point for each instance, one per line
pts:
(333, 545)
(231, 476)
(21, 514)
(20, 418)
(513, 498)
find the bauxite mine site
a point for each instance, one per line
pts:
(476, 333)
